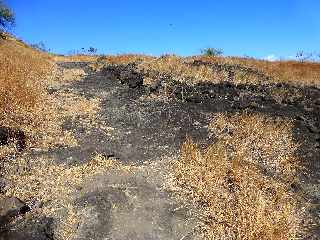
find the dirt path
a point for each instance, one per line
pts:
(121, 195)
(140, 132)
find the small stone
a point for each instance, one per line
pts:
(51, 90)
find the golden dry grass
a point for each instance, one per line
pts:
(291, 72)
(74, 58)
(25, 103)
(21, 89)
(123, 58)
(27, 75)
(242, 182)
(177, 68)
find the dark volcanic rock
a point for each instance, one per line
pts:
(8, 135)
(2, 184)
(14, 228)
(4, 135)
(34, 229)
(144, 128)
(11, 207)
(127, 74)
(52, 90)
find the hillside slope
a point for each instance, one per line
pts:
(138, 147)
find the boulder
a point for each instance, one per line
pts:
(126, 73)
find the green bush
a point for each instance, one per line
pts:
(212, 52)
(7, 18)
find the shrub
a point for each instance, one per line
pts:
(40, 46)
(7, 17)
(212, 52)
(92, 50)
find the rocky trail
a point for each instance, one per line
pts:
(140, 129)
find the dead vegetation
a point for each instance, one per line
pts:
(23, 99)
(25, 103)
(219, 69)
(74, 58)
(31, 101)
(291, 72)
(22, 72)
(181, 69)
(242, 182)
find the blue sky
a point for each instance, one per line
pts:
(255, 28)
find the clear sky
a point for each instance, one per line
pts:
(258, 28)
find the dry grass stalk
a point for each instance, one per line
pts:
(242, 181)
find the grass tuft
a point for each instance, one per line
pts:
(242, 182)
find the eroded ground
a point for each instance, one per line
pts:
(110, 178)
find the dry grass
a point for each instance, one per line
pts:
(179, 69)
(41, 179)
(22, 70)
(124, 58)
(25, 103)
(242, 182)
(55, 186)
(74, 58)
(291, 72)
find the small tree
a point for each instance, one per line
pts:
(7, 18)
(92, 50)
(40, 46)
(212, 52)
(303, 56)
